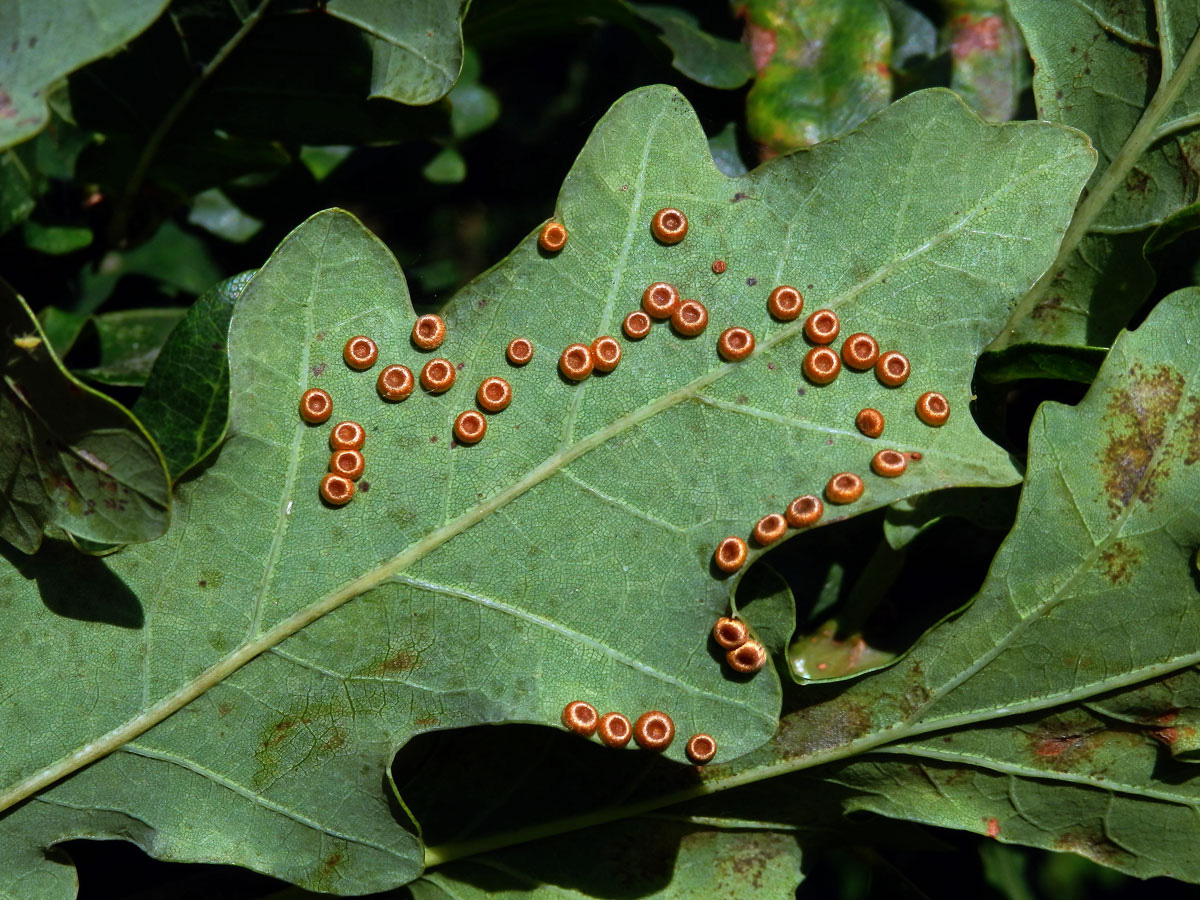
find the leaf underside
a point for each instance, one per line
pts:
(1099, 67)
(70, 457)
(984, 725)
(496, 582)
(44, 40)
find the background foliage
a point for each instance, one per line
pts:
(972, 674)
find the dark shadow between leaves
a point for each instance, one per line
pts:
(534, 775)
(77, 586)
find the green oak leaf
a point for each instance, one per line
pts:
(70, 456)
(289, 648)
(55, 240)
(416, 48)
(130, 341)
(1169, 707)
(1069, 781)
(822, 68)
(1141, 109)
(709, 60)
(185, 403)
(1057, 712)
(45, 40)
(213, 211)
(983, 726)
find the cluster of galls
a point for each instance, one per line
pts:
(394, 384)
(653, 730)
(743, 654)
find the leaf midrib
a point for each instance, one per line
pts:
(223, 668)
(887, 738)
(1019, 771)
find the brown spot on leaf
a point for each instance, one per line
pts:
(7, 110)
(279, 732)
(1191, 424)
(317, 370)
(401, 661)
(1095, 847)
(1054, 746)
(1137, 181)
(1119, 561)
(1048, 308)
(1136, 420)
(224, 709)
(426, 721)
(1167, 735)
(824, 727)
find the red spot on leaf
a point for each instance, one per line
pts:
(973, 35)
(762, 44)
(1167, 735)
(993, 827)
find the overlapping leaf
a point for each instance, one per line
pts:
(185, 404)
(417, 48)
(1015, 720)
(1094, 590)
(44, 40)
(822, 69)
(69, 456)
(1125, 74)
(988, 56)
(565, 556)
